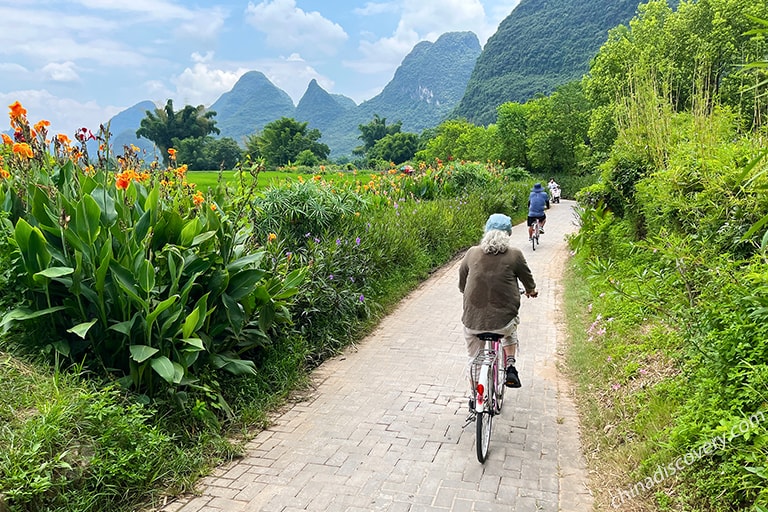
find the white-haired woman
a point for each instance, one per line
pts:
(488, 278)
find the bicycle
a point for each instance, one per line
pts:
(488, 376)
(536, 232)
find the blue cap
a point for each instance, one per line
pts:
(499, 221)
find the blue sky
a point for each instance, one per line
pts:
(78, 62)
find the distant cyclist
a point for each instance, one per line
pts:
(488, 278)
(538, 201)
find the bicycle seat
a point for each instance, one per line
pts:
(490, 336)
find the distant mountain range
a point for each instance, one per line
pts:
(542, 44)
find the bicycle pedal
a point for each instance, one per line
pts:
(470, 419)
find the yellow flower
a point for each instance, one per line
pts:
(172, 152)
(4, 174)
(198, 198)
(271, 237)
(301, 180)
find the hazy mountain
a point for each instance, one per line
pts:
(320, 109)
(123, 128)
(540, 45)
(253, 102)
(424, 90)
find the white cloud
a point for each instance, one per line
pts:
(66, 115)
(292, 75)
(203, 24)
(61, 71)
(289, 28)
(373, 8)
(202, 84)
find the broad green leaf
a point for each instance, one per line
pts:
(234, 366)
(170, 301)
(106, 204)
(81, 329)
(146, 276)
(141, 353)
(105, 259)
(21, 314)
(194, 342)
(234, 313)
(127, 282)
(142, 226)
(32, 246)
(62, 347)
(196, 318)
(291, 284)
(42, 209)
(122, 327)
(164, 368)
(252, 259)
(191, 229)
(85, 220)
(243, 283)
(202, 237)
(52, 272)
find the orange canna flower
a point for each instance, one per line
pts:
(213, 207)
(41, 125)
(122, 182)
(172, 152)
(7, 139)
(23, 150)
(63, 139)
(4, 174)
(17, 110)
(181, 171)
(198, 198)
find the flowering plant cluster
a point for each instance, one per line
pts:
(126, 268)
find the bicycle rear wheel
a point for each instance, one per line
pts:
(484, 417)
(483, 422)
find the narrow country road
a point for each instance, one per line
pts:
(384, 427)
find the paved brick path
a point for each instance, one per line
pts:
(383, 429)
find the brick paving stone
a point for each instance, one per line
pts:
(383, 427)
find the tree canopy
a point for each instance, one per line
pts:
(165, 124)
(283, 140)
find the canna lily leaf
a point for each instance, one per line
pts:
(21, 314)
(170, 301)
(51, 273)
(81, 329)
(141, 353)
(243, 283)
(191, 229)
(234, 366)
(164, 368)
(106, 204)
(32, 245)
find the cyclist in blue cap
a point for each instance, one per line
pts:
(538, 201)
(488, 278)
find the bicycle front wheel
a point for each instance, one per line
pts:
(483, 422)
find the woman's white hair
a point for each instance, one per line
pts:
(495, 241)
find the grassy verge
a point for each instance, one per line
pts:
(627, 382)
